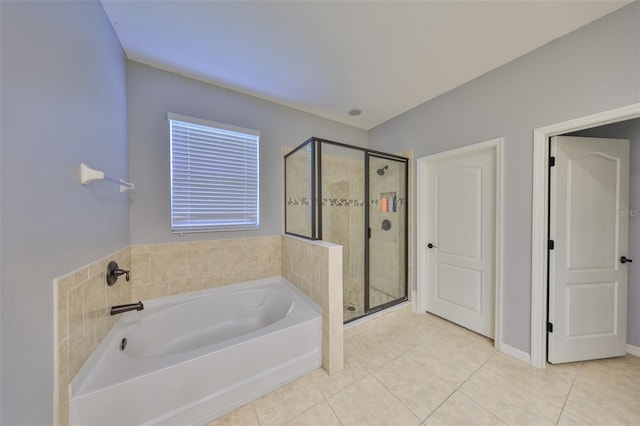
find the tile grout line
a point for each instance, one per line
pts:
(255, 412)
(525, 389)
(566, 398)
(334, 411)
(458, 388)
(398, 399)
(476, 402)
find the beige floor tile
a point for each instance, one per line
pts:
(460, 410)
(334, 383)
(368, 403)
(508, 401)
(605, 396)
(417, 388)
(320, 414)
(287, 402)
(444, 361)
(471, 345)
(621, 372)
(243, 416)
(552, 382)
(569, 419)
(372, 351)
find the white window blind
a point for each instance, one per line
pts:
(214, 176)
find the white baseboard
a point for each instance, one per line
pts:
(633, 350)
(516, 353)
(525, 357)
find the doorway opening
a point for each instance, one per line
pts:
(540, 218)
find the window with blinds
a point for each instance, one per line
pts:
(214, 176)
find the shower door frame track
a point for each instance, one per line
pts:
(316, 211)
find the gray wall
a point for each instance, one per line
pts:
(629, 129)
(152, 93)
(593, 69)
(63, 99)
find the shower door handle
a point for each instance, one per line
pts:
(431, 246)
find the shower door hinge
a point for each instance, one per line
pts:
(552, 161)
(549, 327)
(368, 232)
(551, 245)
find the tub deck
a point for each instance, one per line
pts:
(194, 357)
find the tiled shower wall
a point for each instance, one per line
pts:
(81, 320)
(343, 212)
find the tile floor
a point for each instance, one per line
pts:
(411, 369)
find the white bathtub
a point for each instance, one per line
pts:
(193, 357)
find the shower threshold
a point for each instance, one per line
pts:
(401, 304)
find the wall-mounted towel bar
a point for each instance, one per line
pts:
(87, 174)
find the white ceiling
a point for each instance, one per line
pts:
(328, 57)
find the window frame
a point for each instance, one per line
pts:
(187, 225)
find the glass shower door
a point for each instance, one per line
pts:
(387, 239)
(343, 218)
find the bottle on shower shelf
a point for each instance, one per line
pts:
(384, 204)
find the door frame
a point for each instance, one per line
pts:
(420, 299)
(540, 219)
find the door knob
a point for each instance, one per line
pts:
(431, 246)
(623, 259)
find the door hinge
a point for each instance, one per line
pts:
(551, 245)
(552, 161)
(368, 232)
(549, 327)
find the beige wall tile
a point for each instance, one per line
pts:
(71, 280)
(75, 313)
(316, 269)
(140, 269)
(83, 320)
(98, 267)
(94, 301)
(80, 352)
(63, 316)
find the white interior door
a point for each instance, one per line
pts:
(461, 238)
(588, 224)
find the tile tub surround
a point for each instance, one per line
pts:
(82, 300)
(167, 269)
(315, 267)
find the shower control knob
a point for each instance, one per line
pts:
(431, 246)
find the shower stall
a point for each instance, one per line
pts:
(357, 198)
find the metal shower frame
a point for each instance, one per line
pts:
(316, 210)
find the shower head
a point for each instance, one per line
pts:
(382, 169)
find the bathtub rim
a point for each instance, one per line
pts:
(78, 383)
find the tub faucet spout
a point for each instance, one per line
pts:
(120, 309)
